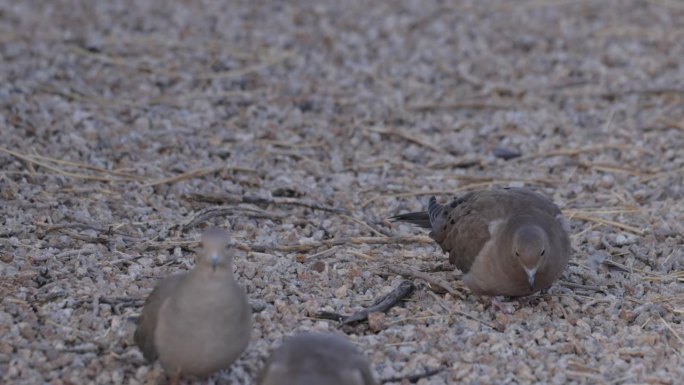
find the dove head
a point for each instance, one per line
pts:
(530, 244)
(214, 249)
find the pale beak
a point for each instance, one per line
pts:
(530, 278)
(214, 261)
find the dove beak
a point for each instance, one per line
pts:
(530, 279)
(531, 275)
(214, 261)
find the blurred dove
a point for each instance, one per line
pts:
(198, 322)
(317, 359)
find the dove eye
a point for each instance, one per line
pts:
(517, 254)
(543, 251)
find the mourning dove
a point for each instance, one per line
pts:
(198, 322)
(507, 242)
(316, 359)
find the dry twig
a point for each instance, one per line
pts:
(340, 242)
(407, 137)
(413, 378)
(32, 160)
(210, 212)
(572, 151)
(233, 199)
(381, 305)
(366, 225)
(432, 280)
(608, 222)
(464, 105)
(197, 173)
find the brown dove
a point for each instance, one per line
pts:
(316, 359)
(198, 322)
(507, 242)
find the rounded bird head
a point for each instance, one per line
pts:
(529, 247)
(215, 242)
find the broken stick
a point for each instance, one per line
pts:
(381, 305)
(413, 378)
(432, 280)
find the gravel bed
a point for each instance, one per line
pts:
(127, 127)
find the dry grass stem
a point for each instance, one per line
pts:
(608, 222)
(343, 242)
(463, 105)
(572, 151)
(364, 224)
(197, 173)
(406, 136)
(430, 279)
(31, 160)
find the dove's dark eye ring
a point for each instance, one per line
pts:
(517, 254)
(543, 252)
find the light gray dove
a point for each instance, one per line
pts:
(198, 322)
(507, 242)
(316, 359)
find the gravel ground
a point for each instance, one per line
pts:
(129, 126)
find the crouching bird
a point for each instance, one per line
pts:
(199, 322)
(507, 242)
(316, 359)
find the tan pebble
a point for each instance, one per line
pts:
(534, 353)
(584, 325)
(627, 315)
(461, 370)
(376, 321)
(501, 318)
(525, 373)
(648, 339)
(522, 314)
(594, 238)
(27, 331)
(485, 360)
(280, 305)
(310, 307)
(479, 338)
(472, 324)
(6, 348)
(142, 124)
(564, 348)
(12, 371)
(341, 291)
(306, 276)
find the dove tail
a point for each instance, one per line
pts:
(420, 218)
(435, 210)
(427, 219)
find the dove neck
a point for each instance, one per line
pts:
(528, 233)
(221, 268)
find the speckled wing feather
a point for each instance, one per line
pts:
(462, 232)
(144, 334)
